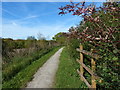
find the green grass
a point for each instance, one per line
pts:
(21, 79)
(67, 76)
(20, 63)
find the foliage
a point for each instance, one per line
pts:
(20, 63)
(95, 28)
(99, 30)
(18, 55)
(31, 38)
(42, 44)
(66, 76)
(72, 45)
(20, 48)
(20, 80)
(60, 38)
(41, 36)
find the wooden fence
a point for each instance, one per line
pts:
(83, 66)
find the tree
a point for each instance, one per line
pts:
(41, 36)
(31, 38)
(30, 42)
(60, 38)
(100, 31)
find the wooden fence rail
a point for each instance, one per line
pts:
(83, 66)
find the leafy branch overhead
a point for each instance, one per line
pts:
(97, 25)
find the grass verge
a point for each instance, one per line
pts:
(21, 79)
(20, 63)
(66, 76)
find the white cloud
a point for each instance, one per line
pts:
(10, 13)
(15, 31)
(30, 17)
(13, 23)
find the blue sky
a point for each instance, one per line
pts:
(23, 19)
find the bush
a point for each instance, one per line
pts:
(72, 44)
(100, 31)
(20, 63)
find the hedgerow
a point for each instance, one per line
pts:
(100, 31)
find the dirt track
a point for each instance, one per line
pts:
(44, 77)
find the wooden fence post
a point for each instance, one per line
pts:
(81, 60)
(93, 81)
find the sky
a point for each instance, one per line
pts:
(23, 19)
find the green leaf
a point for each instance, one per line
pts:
(115, 51)
(115, 58)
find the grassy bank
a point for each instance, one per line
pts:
(21, 79)
(20, 63)
(67, 76)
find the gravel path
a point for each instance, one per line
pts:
(44, 77)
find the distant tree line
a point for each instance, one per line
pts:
(20, 47)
